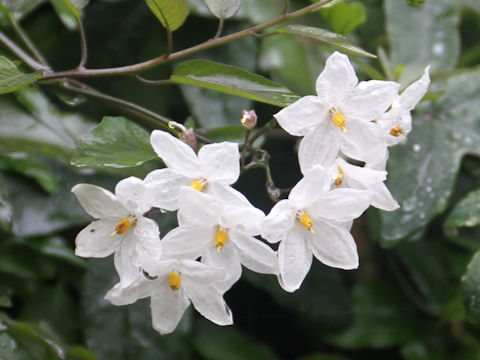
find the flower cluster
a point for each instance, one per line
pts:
(345, 125)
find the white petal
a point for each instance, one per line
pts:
(302, 116)
(227, 195)
(148, 235)
(370, 100)
(334, 246)
(198, 207)
(318, 147)
(254, 254)
(245, 218)
(163, 186)
(340, 204)
(209, 302)
(175, 153)
(337, 79)
(134, 195)
(279, 221)
(199, 273)
(316, 182)
(360, 174)
(363, 140)
(294, 259)
(412, 95)
(98, 202)
(226, 259)
(167, 309)
(154, 267)
(125, 259)
(188, 241)
(220, 162)
(382, 198)
(139, 289)
(95, 239)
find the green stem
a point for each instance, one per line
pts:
(83, 45)
(139, 67)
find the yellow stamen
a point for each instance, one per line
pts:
(307, 222)
(197, 185)
(396, 131)
(174, 280)
(220, 239)
(339, 179)
(121, 227)
(340, 121)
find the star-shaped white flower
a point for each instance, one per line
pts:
(120, 226)
(397, 122)
(221, 234)
(314, 220)
(340, 117)
(362, 178)
(173, 285)
(213, 171)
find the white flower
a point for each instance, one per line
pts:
(173, 285)
(397, 122)
(221, 234)
(120, 226)
(340, 117)
(216, 167)
(363, 178)
(314, 220)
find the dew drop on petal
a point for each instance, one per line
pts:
(416, 147)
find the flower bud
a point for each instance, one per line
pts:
(249, 119)
(186, 135)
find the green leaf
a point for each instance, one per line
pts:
(223, 9)
(5, 208)
(344, 18)
(20, 8)
(232, 80)
(443, 132)
(471, 290)
(472, 4)
(381, 319)
(171, 13)
(424, 35)
(67, 13)
(465, 214)
(115, 142)
(79, 4)
(12, 79)
(328, 37)
(220, 343)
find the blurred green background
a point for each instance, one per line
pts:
(416, 294)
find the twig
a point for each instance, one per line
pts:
(139, 67)
(246, 143)
(153, 82)
(27, 59)
(83, 45)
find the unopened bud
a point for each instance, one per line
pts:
(186, 135)
(249, 119)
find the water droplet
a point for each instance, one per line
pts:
(416, 147)
(410, 204)
(468, 140)
(422, 215)
(428, 189)
(438, 48)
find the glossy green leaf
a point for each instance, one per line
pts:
(115, 142)
(5, 208)
(10, 349)
(465, 214)
(327, 37)
(220, 343)
(381, 319)
(12, 79)
(67, 13)
(232, 80)
(79, 4)
(171, 13)
(223, 9)
(20, 8)
(343, 17)
(442, 134)
(424, 35)
(471, 290)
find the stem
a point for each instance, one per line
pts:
(83, 45)
(221, 21)
(265, 129)
(26, 40)
(139, 67)
(154, 82)
(27, 59)
(148, 116)
(244, 149)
